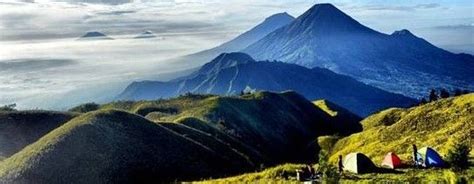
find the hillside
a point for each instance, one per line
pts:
(217, 137)
(251, 118)
(114, 146)
(326, 37)
(341, 116)
(437, 124)
(21, 128)
(231, 73)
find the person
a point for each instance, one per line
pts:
(340, 166)
(415, 156)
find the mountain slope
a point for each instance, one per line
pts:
(200, 136)
(230, 73)
(21, 128)
(438, 124)
(242, 41)
(114, 146)
(326, 37)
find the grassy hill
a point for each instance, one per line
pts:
(437, 124)
(114, 146)
(20, 128)
(202, 136)
(278, 126)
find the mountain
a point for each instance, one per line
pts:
(269, 25)
(202, 136)
(401, 62)
(230, 73)
(21, 128)
(438, 124)
(146, 34)
(95, 36)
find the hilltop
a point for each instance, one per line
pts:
(201, 135)
(231, 73)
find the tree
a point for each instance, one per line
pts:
(423, 101)
(9, 107)
(330, 174)
(433, 95)
(443, 93)
(458, 156)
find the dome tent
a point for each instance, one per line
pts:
(358, 163)
(430, 157)
(392, 161)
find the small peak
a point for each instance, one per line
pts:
(279, 17)
(225, 60)
(93, 34)
(402, 32)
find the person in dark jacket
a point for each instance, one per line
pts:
(340, 166)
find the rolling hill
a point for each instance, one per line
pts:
(437, 124)
(191, 137)
(21, 128)
(400, 62)
(231, 73)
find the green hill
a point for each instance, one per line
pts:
(202, 136)
(20, 128)
(114, 146)
(437, 124)
(345, 121)
(278, 126)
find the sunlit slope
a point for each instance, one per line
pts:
(437, 124)
(20, 128)
(114, 146)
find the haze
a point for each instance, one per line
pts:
(42, 65)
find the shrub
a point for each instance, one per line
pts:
(87, 107)
(458, 156)
(330, 173)
(10, 107)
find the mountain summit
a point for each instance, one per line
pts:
(95, 35)
(326, 37)
(326, 19)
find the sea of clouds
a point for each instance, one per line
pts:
(43, 65)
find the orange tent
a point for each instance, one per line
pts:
(391, 160)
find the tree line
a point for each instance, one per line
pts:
(442, 93)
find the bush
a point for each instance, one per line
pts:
(10, 107)
(458, 156)
(330, 173)
(87, 107)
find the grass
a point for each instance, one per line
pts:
(438, 124)
(20, 128)
(203, 136)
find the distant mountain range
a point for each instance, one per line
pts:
(326, 37)
(231, 73)
(95, 36)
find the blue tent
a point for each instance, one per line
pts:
(429, 157)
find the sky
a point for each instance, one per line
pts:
(43, 66)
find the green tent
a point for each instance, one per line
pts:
(358, 163)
